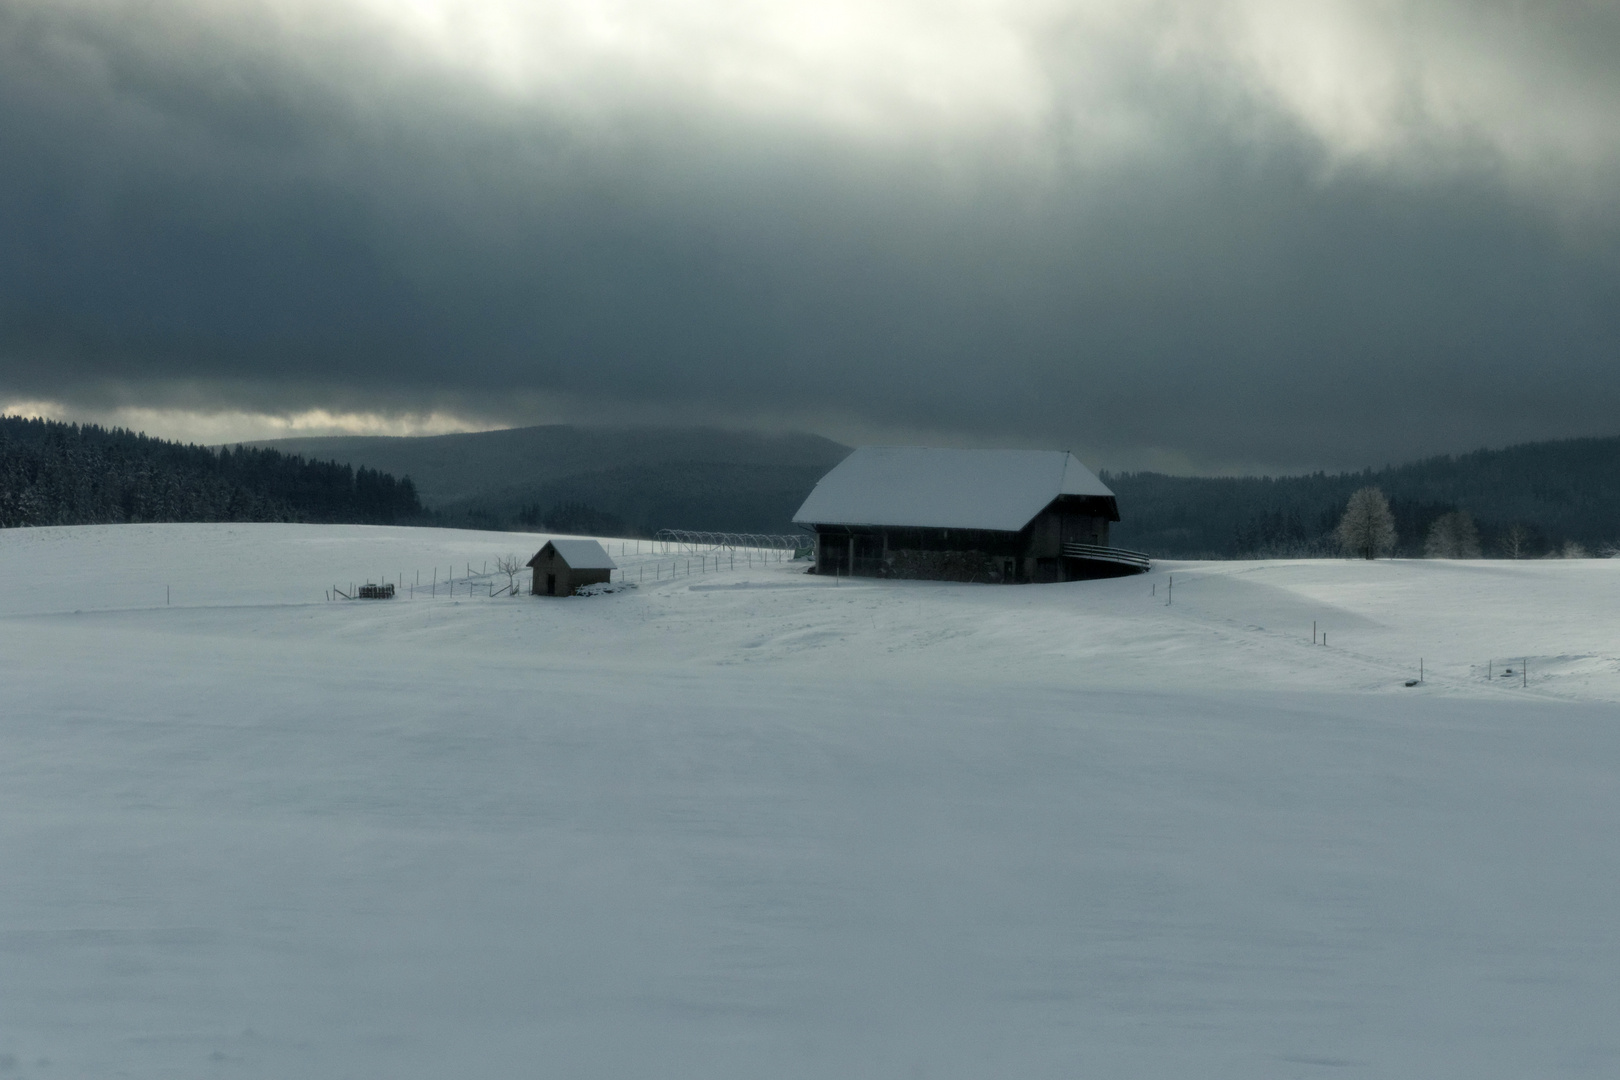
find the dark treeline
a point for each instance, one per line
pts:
(1555, 493)
(70, 474)
(578, 519)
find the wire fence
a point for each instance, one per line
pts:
(640, 562)
(664, 568)
(692, 540)
(439, 582)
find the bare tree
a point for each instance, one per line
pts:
(1516, 541)
(511, 568)
(1367, 528)
(1574, 550)
(1452, 536)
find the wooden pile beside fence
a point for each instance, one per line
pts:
(365, 592)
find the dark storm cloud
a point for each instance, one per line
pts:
(1196, 262)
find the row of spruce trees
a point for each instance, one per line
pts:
(54, 473)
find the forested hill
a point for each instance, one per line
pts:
(1559, 491)
(66, 474)
(611, 481)
(70, 474)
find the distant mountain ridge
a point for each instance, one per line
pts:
(621, 481)
(625, 480)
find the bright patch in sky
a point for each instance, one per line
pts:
(1384, 83)
(235, 425)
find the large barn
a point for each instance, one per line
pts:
(965, 515)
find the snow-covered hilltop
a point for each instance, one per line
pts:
(747, 822)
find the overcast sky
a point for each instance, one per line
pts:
(1201, 236)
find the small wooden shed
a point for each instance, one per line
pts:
(562, 566)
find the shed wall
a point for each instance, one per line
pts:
(567, 579)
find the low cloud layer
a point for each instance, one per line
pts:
(1250, 234)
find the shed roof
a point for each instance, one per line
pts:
(915, 486)
(578, 554)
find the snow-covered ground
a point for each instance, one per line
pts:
(749, 823)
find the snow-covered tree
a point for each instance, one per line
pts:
(1452, 536)
(1516, 541)
(511, 566)
(1367, 528)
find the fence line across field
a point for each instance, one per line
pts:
(484, 583)
(692, 540)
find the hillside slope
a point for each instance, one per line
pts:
(751, 823)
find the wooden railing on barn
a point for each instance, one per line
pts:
(1098, 553)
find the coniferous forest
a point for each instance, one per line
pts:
(1529, 500)
(53, 473)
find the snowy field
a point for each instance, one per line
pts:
(751, 823)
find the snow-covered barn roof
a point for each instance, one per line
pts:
(924, 487)
(579, 555)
